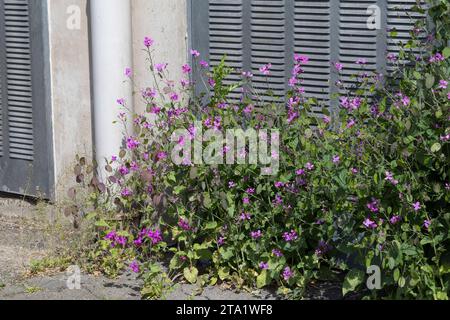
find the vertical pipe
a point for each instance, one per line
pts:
(111, 53)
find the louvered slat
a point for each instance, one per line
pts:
(268, 45)
(19, 90)
(1, 120)
(226, 36)
(401, 19)
(356, 40)
(312, 36)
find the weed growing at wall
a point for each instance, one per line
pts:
(364, 187)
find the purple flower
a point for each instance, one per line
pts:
(126, 193)
(417, 206)
(128, 72)
(184, 224)
(247, 74)
(390, 178)
(245, 216)
(132, 143)
(246, 201)
(369, 224)
(195, 53)
(338, 66)
(300, 172)
(204, 64)
(250, 191)
(256, 234)
(174, 97)
(186, 68)
(354, 171)
(160, 67)
(111, 236)
(336, 159)
(277, 253)
(148, 42)
(124, 170)
(301, 59)
(290, 236)
(287, 274)
(155, 236)
(373, 206)
(427, 224)
(161, 156)
(221, 241)
(232, 184)
(309, 166)
(361, 61)
(134, 266)
(322, 248)
(279, 184)
(121, 101)
(395, 219)
(265, 70)
(264, 266)
(443, 84)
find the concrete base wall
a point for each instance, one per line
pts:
(70, 83)
(163, 20)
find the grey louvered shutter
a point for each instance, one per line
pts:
(255, 32)
(25, 131)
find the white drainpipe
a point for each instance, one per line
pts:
(111, 51)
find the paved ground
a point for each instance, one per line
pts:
(26, 235)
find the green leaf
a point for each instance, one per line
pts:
(436, 147)
(429, 81)
(223, 273)
(191, 274)
(263, 280)
(446, 52)
(102, 224)
(210, 225)
(353, 279)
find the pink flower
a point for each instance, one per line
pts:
(128, 72)
(287, 274)
(290, 236)
(247, 74)
(160, 67)
(256, 234)
(277, 253)
(186, 68)
(265, 70)
(161, 156)
(369, 224)
(390, 178)
(445, 138)
(361, 61)
(245, 216)
(250, 191)
(195, 53)
(443, 84)
(148, 42)
(184, 224)
(279, 184)
(417, 206)
(373, 206)
(246, 201)
(336, 159)
(264, 266)
(135, 267)
(326, 119)
(338, 66)
(126, 193)
(395, 219)
(309, 166)
(427, 224)
(132, 143)
(301, 59)
(300, 172)
(174, 97)
(204, 64)
(121, 101)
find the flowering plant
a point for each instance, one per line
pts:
(365, 185)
